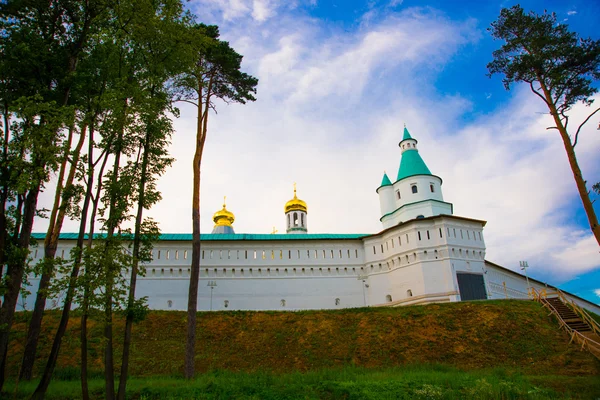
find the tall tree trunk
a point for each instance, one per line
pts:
(190, 344)
(57, 217)
(134, 269)
(577, 175)
(15, 271)
(109, 368)
(42, 387)
(85, 394)
(4, 189)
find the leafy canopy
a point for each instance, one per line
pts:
(540, 50)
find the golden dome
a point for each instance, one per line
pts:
(295, 204)
(223, 217)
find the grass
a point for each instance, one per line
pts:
(441, 350)
(407, 382)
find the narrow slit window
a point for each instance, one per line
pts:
(428, 237)
(419, 235)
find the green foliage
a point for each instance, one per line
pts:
(215, 70)
(138, 310)
(539, 49)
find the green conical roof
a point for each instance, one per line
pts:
(411, 162)
(385, 181)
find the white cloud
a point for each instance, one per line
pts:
(262, 10)
(597, 291)
(573, 12)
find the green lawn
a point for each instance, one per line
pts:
(408, 382)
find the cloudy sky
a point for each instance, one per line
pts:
(338, 79)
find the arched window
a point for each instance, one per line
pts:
(302, 219)
(295, 219)
(414, 189)
(226, 303)
(398, 194)
(170, 303)
(337, 301)
(431, 188)
(409, 293)
(388, 298)
(289, 220)
(282, 302)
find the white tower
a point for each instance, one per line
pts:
(295, 215)
(417, 193)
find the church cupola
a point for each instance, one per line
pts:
(295, 215)
(223, 220)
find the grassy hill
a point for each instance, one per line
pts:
(516, 336)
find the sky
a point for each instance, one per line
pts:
(337, 82)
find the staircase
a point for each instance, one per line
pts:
(580, 326)
(572, 320)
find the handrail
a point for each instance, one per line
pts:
(574, 306)
(581, 312)
(575, 335)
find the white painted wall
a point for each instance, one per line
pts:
(312, 274)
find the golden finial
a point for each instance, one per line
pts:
(294, 189)
(224, 201)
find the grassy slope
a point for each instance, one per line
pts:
(515, 335)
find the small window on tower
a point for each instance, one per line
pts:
(302, 219)
(431, 188)
(295, 219)
(414, 189)
(398, 194)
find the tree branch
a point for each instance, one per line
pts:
(186, 101)
(536, 92)
(583, 123)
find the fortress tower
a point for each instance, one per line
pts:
(416, 193)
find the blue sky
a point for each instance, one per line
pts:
(338, 79)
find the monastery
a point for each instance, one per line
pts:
(423, 254)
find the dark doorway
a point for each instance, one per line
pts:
(471, 286)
